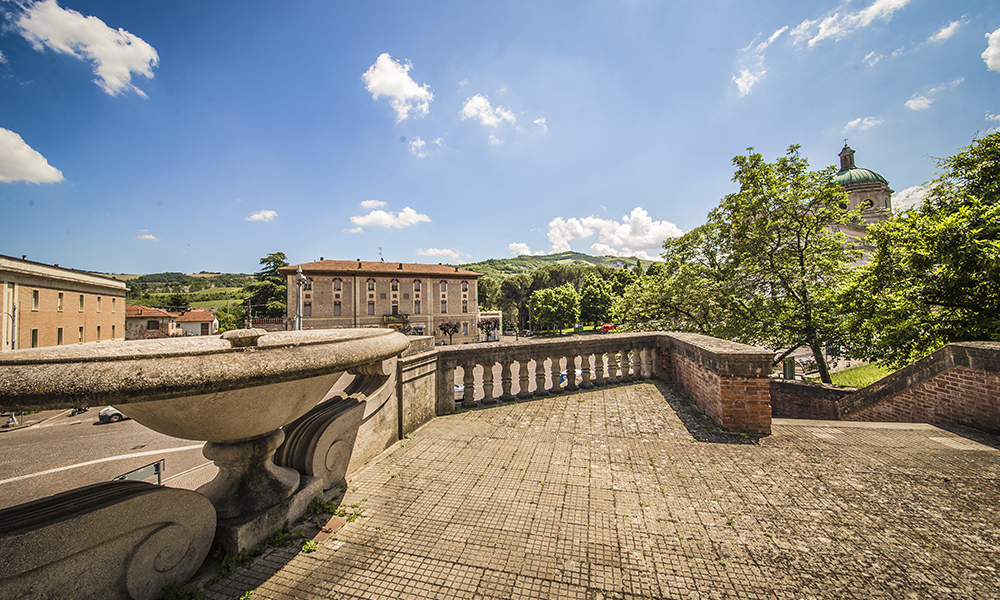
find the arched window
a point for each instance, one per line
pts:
(395, 285)
(444, 286)
(465, 306)
(867, 203)
(465, 286)
(416, 285)
(336, 284)
(371, 285)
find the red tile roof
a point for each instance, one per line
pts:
(374, 267)
(135, 311)
(196, 315)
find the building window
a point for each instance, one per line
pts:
(308, 285)
(80, 335)
(112, 327)
(465, 306)
(336, 285)
(444, 286)
(465, 286)
(371, 285)
(416, 307)
(153, 325)
(59, 336)
(395, 308)
(406, 295)
(204, 328)
(34, 338)
(444, 307)
(395, 285)
(381, 296)
(113, 306)
(336, 309)
(416, 285)
(81, 302)
(371, 308)
(34, 301)
(98, 333)
(59, 302)
(98, 304)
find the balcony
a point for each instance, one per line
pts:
(567, 467)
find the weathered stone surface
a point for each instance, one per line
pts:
(246, 532)
(123, 539)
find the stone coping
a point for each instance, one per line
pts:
(723, 357)
(982, 356)
(145, 370)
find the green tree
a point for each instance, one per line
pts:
(488, 290)
(556, 308)
(623, 278)
(515, 292)
(595, 300)
(268, 294)
(934, 277)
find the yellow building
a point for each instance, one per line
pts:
(48, 305)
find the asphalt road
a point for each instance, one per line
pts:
(67, 452)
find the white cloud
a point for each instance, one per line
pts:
(945, 32)
(21, 162)
(992, 53)
(419, 147)
(262, 215)
(146, 236)
(373, 204)
(606, 250)
(862, 124)
(391, 78)
(634, 234)
(452, 254)
(381, 218)
(463, 83)
(990, 117)
(872, 58)
(114, 53)
(354, 230)
(3, 59)
(911, 196)
(839, 25)
(919, 103)
(541, 121)
(751, 62)
(478, 107)
(518, 249)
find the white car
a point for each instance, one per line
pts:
(110, 414)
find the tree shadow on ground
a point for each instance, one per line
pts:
(976, 435)
(700, 425)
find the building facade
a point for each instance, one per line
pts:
(344, 293)
(48, 305)
(868, 191)
(144, 322)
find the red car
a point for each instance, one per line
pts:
(606, 328)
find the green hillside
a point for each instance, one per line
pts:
(505, 267)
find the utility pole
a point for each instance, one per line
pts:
(300, 279)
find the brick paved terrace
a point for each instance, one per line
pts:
(630, 492)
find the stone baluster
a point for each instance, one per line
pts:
(469, 381)
(488, 383)
(556, 376)
(625, 375)
(612, 368)
(638, 364)
(585, 383)
(446, 394)
(540, 377)
(571, 385)
(599, 370)
(522, 380)
(505, 381)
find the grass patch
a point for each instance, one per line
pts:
(858, 377)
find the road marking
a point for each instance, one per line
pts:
(100, 460)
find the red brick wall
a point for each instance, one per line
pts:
(734, 403)
(959, 396)
(792, 399)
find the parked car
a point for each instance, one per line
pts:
(606, 328)
(110, 414)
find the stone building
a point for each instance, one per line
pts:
(142, 322)
(48, 305)
(868, 191)
(345, 293)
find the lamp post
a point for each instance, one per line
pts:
(300, 279)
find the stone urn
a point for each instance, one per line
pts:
(234, 391)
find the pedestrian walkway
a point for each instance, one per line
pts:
(610, 494)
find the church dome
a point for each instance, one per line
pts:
(858, 175)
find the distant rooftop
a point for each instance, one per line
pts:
(385, 268)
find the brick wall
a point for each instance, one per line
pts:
(805, 399)
(735, 392)
(959, 396)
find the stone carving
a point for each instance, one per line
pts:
(121, 539)
(320, 443)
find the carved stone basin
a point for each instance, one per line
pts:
(235, 391)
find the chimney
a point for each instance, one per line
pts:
(400, 266)
(456, 269)
(321, 258)
(24, 257)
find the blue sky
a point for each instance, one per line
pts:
(189, 136)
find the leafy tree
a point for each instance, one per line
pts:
(515, 292)
(595, 300)
(555, 307)
(623, 278)
(488, 290)
(763, 269)
(934, 277)
(654, 269)
(489, 327)
(450, 328)
(269, 293)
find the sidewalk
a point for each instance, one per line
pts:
(31, 419)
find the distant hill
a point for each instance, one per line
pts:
(505, 267)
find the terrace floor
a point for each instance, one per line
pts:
(607, 494)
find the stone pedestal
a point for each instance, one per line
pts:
(244, 533)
